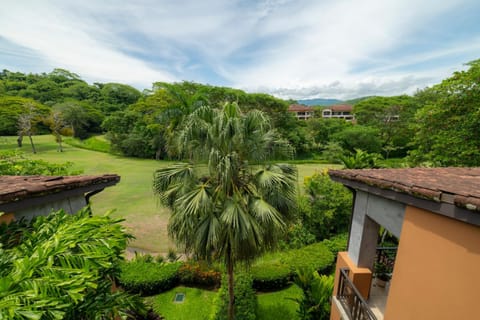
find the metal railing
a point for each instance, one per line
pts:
(352, 301)
(385, 256)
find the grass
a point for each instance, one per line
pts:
(132, 196)
(278, 305)
(198, 302)
(196, 306)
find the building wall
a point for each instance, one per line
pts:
(435, 275)
(70, 205)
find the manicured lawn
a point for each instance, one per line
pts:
(196, 306)
(132, 198)
(278, 305)
(198, 303)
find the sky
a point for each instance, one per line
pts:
(293, 49)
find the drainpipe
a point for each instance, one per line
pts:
(90, 194)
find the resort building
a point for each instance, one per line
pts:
(302, 112)
(342, 111)
(435, 215)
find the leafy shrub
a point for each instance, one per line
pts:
(148, 277)
(317, 290)
(337, 243)
(326, 209)
(245, 299)
(268, 276)
(14, 163)
(199, 274)
(273, 271)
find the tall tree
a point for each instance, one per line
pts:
(226, 202)
(448, 125)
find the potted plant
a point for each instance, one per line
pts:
(382, 274)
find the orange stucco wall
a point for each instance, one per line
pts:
(436, 269)
(361, 278)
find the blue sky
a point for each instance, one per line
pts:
(289, 48)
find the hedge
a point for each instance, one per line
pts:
(200, 274)
(245, 299)
(148, 277)
(274, 271)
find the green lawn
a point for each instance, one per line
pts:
(278, 305)
(197, 304)
(133, 197)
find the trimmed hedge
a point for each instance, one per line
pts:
(274, 271)
(245, 299)
(270, 276)
(337, 243)
(148, 277)
(200, 274)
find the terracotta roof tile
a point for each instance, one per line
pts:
(460, 186)
(299, 108)
(15, 188)
(341, 107)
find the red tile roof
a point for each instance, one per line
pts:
(16, 188)
(459, 186)
(299, 108)
(341, 108)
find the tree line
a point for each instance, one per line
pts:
(438, 125)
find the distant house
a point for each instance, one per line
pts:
(341, 111)
(29, 196)
(302, 112)
(435, 215)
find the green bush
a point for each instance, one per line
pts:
(337, 243)
(148, 277)
(245, 299)
(268, 276)
(194, 273)
(273, 271)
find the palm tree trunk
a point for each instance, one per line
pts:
(231, 295)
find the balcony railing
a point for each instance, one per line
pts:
(385, 256)
(351, 300)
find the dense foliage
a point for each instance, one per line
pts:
(326, 208)
(148, 277)
(245, 299)
(13, 163)
(447, 127)
(62, 267)
(273, 271)
(317, 291)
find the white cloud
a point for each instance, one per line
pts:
(63, 39)
(308, 47)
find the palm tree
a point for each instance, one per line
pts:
(227, 202)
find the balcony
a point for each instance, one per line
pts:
(352, 303)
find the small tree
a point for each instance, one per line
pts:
(56, 122)
(26, 124)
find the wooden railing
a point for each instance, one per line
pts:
(351, 300)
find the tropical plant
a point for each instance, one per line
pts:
(361, 160)
(317, 290)
(63, 267)
(227, 202)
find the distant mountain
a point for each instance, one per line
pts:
(330, 102)
(319, 102)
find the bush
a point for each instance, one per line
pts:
(199, 274)
(337, 243)
(13, 163)
(274, 270)
(245, 299)
(268, 276)
(148, 277)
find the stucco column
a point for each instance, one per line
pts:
(363, 234)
